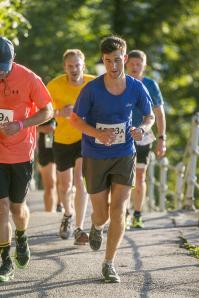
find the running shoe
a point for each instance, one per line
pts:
(22, 252)
(109, 273)
(66, 230)
(95, 238)
(137, 222)
(6, 270)
(81, 237)
(59, 208)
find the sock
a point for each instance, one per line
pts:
(137, 214)
(99, 228)
(5, 252)
(108, 262)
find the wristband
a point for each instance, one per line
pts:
(20, 125)
(162, 137)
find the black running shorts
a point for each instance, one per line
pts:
(15, 180)
(65, 155)
(45, 155)
(101, 173)
(143, 153)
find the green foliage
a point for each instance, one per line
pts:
(12, 21)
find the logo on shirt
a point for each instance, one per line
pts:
(128, 105)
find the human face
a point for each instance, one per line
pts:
(135, 67)
(74, 67)
(114, 64)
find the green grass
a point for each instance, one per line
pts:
(193, 249)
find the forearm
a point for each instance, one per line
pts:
(39, 117)
(84, 127)
(160, 120)
(148, 122)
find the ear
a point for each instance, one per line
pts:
(125, 58)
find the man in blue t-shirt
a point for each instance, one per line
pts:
(135, 67)
(103, 112)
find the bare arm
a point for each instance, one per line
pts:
(106, 137)
(138, 132)
(161, 129)
(43, 115)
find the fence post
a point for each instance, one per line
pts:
(192, 164)
(164, 163)
(151, 181)
(180, 170)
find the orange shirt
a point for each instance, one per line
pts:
(22, 93)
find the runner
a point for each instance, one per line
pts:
(67, 144)
(24, 103)
(103, 112)
(135, 67)
(47, 166)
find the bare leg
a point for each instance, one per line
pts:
(48, 174)
(81, 196)
(20, 215)
(119, 196)
(5, 226)
(100, 205)
(139, 193)
(65, 179)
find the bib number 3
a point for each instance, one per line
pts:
(119, 130)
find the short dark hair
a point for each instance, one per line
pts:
(137, 54)
(112, 43)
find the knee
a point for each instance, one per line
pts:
(117, 214)
(4, 208)
(65, 187)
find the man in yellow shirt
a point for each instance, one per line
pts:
(64, 90)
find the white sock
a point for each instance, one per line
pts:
(99, 228)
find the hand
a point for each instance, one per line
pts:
(10, 128)
(137, 133)
(66, 111)
(106, 136)
(160, 149)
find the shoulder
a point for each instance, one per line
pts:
(23, 71)
(56, 80)
(150, 82)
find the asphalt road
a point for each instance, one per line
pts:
(149, 261)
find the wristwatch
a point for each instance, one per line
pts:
(162, 137)
(142, 129)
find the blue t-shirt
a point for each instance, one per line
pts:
(98, 107)
(156, 97)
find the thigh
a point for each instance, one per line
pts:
(143, 155)
(65, 155)
(4, 180)
(123, 171)
(120, 194)
(95, 172)
(21, 174)
(48, 174)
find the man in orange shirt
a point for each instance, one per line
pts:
(24, 103)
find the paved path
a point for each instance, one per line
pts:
(150, 261)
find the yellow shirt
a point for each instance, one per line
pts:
(63, 93)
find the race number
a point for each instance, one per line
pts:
(148, 138)
(119, 130)
(6, 116)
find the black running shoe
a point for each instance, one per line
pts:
(109, 273)
(66, 230)
(22, 252)
(6, 270)
(95, 238)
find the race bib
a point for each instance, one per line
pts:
(148, 138)
(6, 116)
(119, 130)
